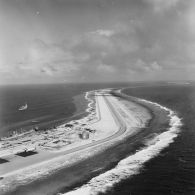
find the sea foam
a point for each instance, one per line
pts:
(133, 164)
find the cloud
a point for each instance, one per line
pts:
(47, 70)
(106, 68)
(162, 5)
(106, 46)
(4, 69)
(50, 59)
(142, 66)
(143, 37)
(102, 32)
(190, 18)
(154, 66)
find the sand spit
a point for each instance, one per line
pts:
(133, 164)
(110, 119)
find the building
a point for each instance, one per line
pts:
(84, 135)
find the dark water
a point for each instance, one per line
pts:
(47, 104)
(171, 172)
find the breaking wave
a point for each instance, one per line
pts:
(133, 164)
(90, 102)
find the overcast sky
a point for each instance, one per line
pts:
(46, 41)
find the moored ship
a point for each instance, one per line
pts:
(24, 107)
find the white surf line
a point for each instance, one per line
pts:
(133, 164)
(89, 100)
(89, 107)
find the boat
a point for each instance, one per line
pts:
(24, 107)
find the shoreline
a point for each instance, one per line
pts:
(80, 112)
(96, 149)
(132, 164)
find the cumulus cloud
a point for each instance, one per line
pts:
(139, 37)
(103, 32)
(128, 47)
(142, 66)
(48, 59)
(105, 46)
(162, 5)
(106, 68)
(155, 66)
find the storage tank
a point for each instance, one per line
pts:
(85, 135)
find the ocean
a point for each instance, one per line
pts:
(158, 160)
(173, 170)
(48, 105)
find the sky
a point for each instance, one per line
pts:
(54, 41)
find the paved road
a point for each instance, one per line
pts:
(9, 167)
(119, 121)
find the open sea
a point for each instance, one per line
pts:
(48, 105)
(159, 160)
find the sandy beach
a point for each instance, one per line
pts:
(110, 120)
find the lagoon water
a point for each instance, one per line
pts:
(47, 105)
